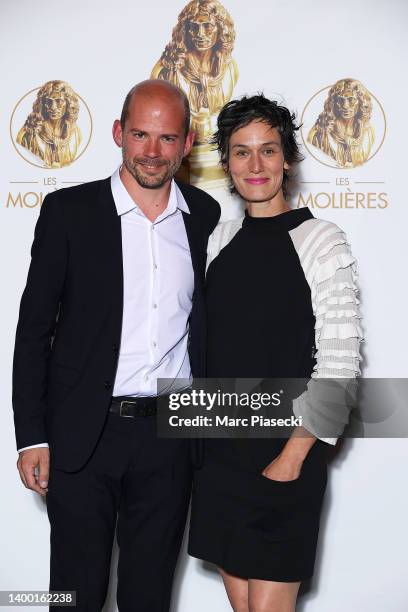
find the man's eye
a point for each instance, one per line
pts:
(241, 153)
(168, 138)
(138, 135)
(269, 151)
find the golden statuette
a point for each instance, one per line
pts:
(343, 131)
(198, 60)
(50, 131)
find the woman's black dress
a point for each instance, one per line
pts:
(260, 325)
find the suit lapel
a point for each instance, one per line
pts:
(108, 232)
(195, 243)
(197, 320)
(110, 238)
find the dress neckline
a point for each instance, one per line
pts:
(285, 221)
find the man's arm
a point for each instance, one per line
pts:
(36, 326)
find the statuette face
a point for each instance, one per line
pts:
(202, 33)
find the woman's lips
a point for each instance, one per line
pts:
(256, 181)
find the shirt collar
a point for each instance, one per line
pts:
(124, 202)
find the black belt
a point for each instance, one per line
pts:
(134, 406)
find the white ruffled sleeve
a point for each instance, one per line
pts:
(330, 269)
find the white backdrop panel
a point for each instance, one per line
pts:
(290, 50)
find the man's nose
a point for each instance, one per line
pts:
(201, 30)
(152, 147)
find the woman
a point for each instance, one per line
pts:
(281, 300)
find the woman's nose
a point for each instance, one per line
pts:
(255, 164)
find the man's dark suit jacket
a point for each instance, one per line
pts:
(69, 328)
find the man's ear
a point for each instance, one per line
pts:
(188, 143)
(286, 166)
(117, 133)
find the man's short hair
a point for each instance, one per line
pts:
(177, 91)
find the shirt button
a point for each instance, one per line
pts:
(145, 377)
(154, 344)
(107, 385)
(155, 266)
(115, 349)
(154, 305)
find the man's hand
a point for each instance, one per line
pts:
(283, 469)
(30, 461)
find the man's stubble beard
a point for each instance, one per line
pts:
(151, 182)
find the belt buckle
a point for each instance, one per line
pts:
(126, 416)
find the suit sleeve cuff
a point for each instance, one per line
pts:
(42, 445)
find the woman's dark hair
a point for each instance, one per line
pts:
(237, 114)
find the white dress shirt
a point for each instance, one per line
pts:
(158, 289)
(158, 285)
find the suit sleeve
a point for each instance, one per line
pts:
(36, 324)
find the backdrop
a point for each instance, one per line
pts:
(339, 66)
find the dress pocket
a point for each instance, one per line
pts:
(280, 483)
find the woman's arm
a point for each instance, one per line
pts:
(330, 270)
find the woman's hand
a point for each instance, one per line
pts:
(288, 464)
(283, 469)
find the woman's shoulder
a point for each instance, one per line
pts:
(316, 233)
(316, 224)
(221, 236)
(225, 231)
(323, 250)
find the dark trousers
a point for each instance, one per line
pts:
(142, 481)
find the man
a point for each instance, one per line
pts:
(114, 300)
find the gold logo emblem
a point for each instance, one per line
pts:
(198, 60)
(51, 126)
(343, 125)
